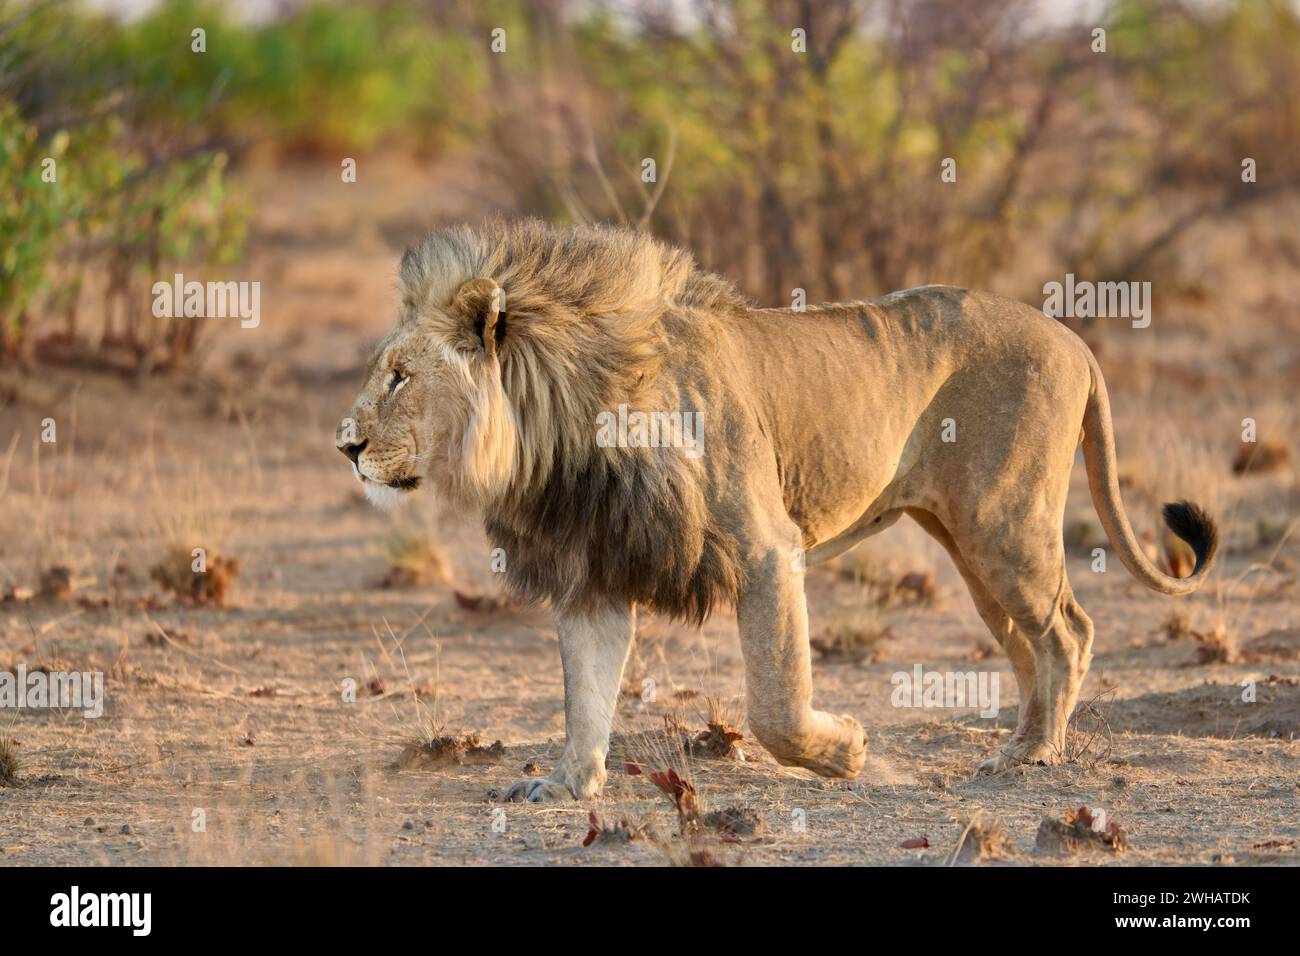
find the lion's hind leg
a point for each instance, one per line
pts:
(1000, 492)
(1033, 591)
(1018, 649)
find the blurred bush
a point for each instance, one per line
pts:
(817, 168)
(327, 76)
(141, 128)
(821, 170)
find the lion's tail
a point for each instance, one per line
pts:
(1188, 521)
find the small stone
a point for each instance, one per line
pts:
(90, 822)
(126, 828)
(408, 825)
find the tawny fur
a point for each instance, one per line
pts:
(960, 409)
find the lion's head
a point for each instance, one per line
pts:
(432, 408)
(509, 340)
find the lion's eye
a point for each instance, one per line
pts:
(398, 380)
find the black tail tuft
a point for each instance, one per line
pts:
(1193, 525)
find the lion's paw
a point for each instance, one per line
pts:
(847, 759)
(1018, 754)
(840, 752)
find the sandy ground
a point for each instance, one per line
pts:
(228, 736)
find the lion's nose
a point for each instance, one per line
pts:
(354, 451)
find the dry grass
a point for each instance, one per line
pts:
(1089, 740)
(1177, 625)
(862, 565)
(1082, 532)
(697, 853)
(720, 739)
(1261, 458)
(666, 761)
(1081, 830)
(414, 558)
(10, 764)
(624, 829)
(733, 822)
(428, 744)
(1163, 463)
(1234, 600)
(178, 572)
(1218, 645)
(51, 500)
(438, 749)
(857, 638)
(189, 512)
(982, 838)
(1270, 453)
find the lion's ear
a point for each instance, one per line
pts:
(482, 303)
(410, 263)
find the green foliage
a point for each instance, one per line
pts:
(329, 75)
(821, 169)
(140, 124)
(31, 215)
(89, 187)
(1222, 80)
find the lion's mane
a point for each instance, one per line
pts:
(585, 315)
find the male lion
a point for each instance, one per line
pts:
(958, 408)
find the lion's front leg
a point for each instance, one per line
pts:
(593, 648)
(773, 617)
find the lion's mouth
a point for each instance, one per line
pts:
(398, 484)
